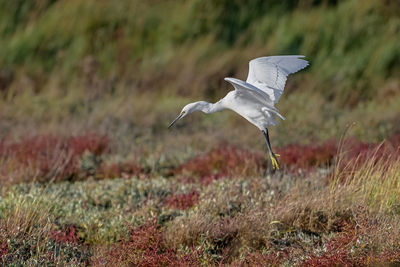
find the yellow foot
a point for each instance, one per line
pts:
(275, 164)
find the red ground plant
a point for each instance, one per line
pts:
(67, 234)
(183, 201)
(344, 250)
(3, 249)
(337, 250)
(274, 258)
(115, 170)
(146, 247)
(306, 157)
(47, 157)
(223, 161)
(230, 161)
(356, 153)
(94, 143)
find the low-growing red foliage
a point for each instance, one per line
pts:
(337, 250)
(3, 148)
(183, 201)
(390, 257)
(47, 157)
(145, 247)
(229, 161)
(118, 169)
(353, 151)
(304, 157)
(346, 250)
(67, 234)
(395, 141)
(357, 153)
(274, 258)
(223, 161)
(3, 249)
(94, 143)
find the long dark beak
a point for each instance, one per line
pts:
(177, 119)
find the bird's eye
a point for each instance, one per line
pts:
(183, 112)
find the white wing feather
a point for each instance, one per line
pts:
(269, 74)
(256, 94)
(249, 88)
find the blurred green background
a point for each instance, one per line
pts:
(127, 67)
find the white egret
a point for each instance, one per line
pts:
(254, 99)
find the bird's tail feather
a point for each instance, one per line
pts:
(280, 116)
(273, 110)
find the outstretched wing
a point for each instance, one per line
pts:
(255, 94)
(250, 89)
(269, 74)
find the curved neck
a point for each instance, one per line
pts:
(207, 107)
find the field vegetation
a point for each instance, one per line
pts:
(90, 175)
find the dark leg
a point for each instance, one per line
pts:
(266, 135)
(272, 155)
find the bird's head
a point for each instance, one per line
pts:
(189, 108)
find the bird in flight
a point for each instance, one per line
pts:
(254, 99)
